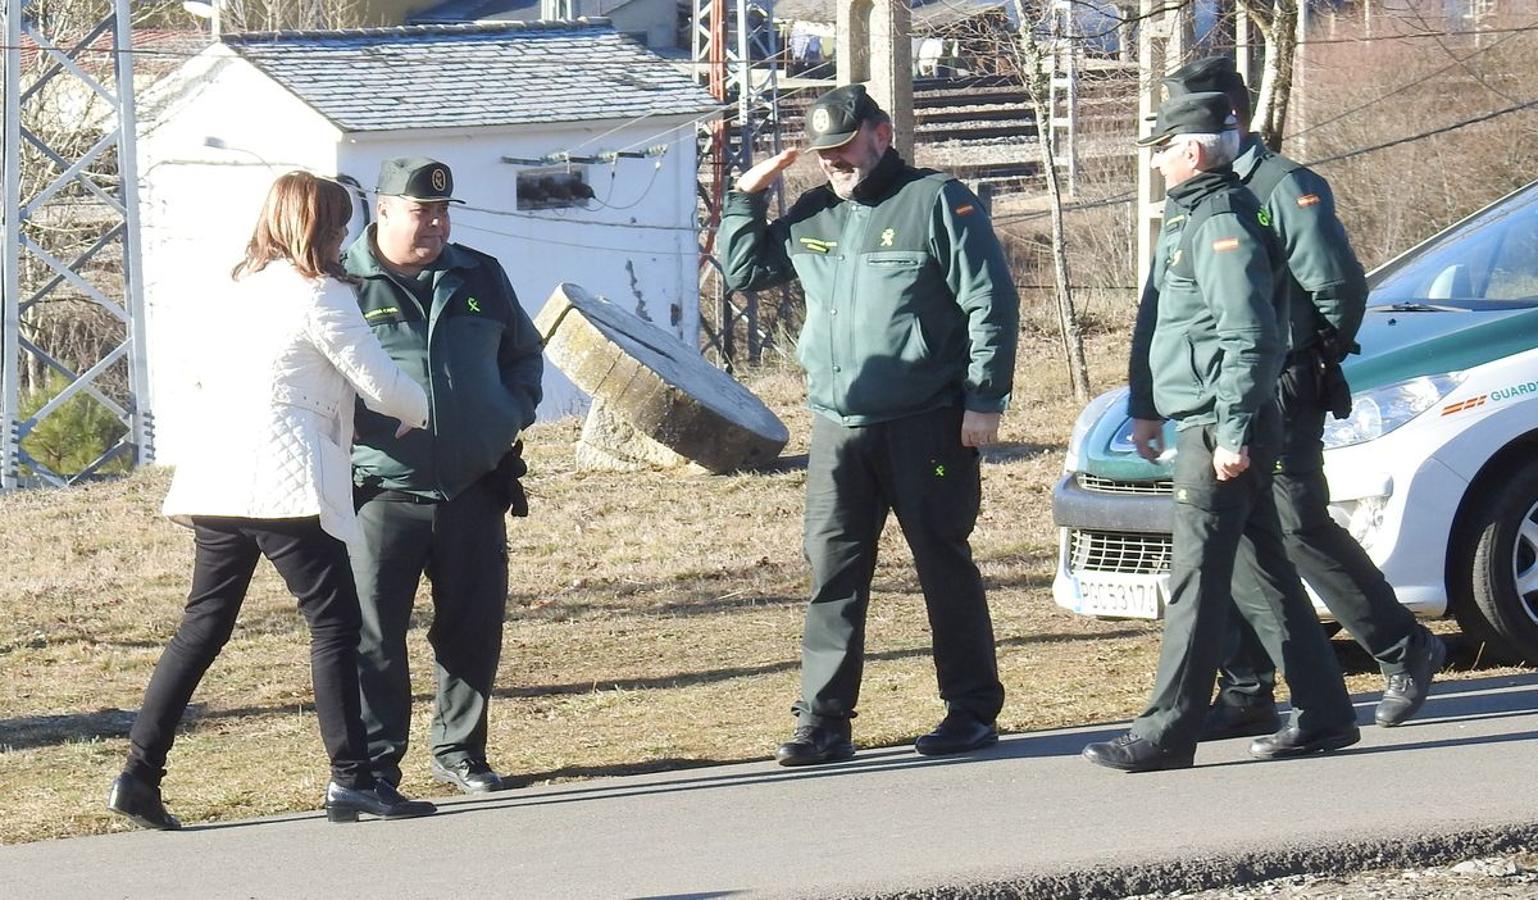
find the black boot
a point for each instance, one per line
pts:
(1294, 741)
(140, 802)
(959, 732)
(1231, 720)
(813, 744)
(343, 804)
(1131, 753)
(1406, 691)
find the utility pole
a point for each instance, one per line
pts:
(875, 48)
(1063, 92)
(1162, 42)
(104, 177)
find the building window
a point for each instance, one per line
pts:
(553, 188)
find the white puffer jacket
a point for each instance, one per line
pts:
(284, 360)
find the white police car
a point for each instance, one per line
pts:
(1435, 472)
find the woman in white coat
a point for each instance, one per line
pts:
(288, 353)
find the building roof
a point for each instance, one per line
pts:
(472, 75)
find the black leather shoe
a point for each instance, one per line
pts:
(957, 733)
(343, 804)
(1130, 753)
(1407, 690)
(1292, 741)
(813, 744)
(140, 802)
(473, 776)
(1230, 720)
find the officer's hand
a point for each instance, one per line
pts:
(404, 427)
(762, 175)
(1228, 464)
(979, 429)
(1148, 438)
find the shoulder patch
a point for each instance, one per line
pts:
(1223, 245)
(964, 209)
(1308, 200)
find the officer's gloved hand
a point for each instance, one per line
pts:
(1332, 348)
(506, 477)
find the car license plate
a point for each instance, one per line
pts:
(1121, 595)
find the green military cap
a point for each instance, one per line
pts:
(416, 178)
(1208, 112)
(836, 117)
(1214, 73)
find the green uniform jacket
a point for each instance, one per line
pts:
(1325, 278)
(909, 301)
(475, 352)
(1209, 341)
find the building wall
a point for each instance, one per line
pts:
(641, 256)
(199, 203)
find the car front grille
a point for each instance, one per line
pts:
(1126, 552)
(1111, 486)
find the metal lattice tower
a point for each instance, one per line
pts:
(97, 186)
(735, 49)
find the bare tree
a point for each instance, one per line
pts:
(1031, 61)
(1277, 22)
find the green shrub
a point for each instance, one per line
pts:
(74, 435)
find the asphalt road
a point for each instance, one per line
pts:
(1027, 818)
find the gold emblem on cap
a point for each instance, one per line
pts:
(820, 119)
(440, 179)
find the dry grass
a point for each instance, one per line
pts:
(654, 623)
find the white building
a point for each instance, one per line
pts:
(491, 101)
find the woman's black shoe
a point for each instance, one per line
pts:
(140, 802)
(381, 799)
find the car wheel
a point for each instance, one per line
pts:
(1500, 610)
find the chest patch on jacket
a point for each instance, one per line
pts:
(886, 237)
(381, 312)
(817, 245)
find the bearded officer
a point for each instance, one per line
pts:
(909, 349)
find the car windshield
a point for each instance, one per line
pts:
(1488, 261)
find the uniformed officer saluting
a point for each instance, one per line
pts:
(1327, 298)
(909, 349)
(1206, 351)
(435, 499)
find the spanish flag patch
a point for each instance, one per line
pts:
(1223, 245)
(1308, 200)
(965, 209)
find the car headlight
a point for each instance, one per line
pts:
(1091, 414)
(1376, 412)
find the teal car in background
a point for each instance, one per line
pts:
(1435, 472)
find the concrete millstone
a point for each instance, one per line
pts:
(656, 401)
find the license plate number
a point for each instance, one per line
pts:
(1124, 596)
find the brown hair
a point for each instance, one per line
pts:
(301, 214)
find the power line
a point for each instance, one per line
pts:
(1406, 86)
(1360, 151)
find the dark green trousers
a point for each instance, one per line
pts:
(461, 545)
(917, 468)
(1222, 527)
(1325, 554)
